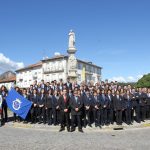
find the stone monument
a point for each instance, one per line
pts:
(72, 61)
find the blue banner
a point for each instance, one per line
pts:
(18, 104)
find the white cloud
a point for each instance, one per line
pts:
(126, 79)
(7, 64)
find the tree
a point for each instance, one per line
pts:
(144, 81)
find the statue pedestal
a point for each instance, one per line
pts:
(71, 50)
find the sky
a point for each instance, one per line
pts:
(114, 34)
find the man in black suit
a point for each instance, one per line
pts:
(136, 106)
(148, 104)
(142, 101)
(34, 109)
(88, 106)
(127, 105)
(41, 108)
(49, 106)
(110, 107)
(97, 109)
(76, 105)
(63, 103)
(104, 101)
(68, 83)
(118, 107)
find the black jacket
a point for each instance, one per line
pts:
(76, 104)
(62, 104)
(49, 101)
(41, 100)
(118, 102)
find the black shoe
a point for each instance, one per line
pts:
(72, 129)
(68, 129)
(80, 130)
(90, 125)
(61, 129)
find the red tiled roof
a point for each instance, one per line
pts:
(30, 66)
(11, 79)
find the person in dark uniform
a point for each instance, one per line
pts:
(68, 83)
(25, 95)
(76, 105)
(148, 104)
(4, 104)
(136, 106)
(41, 108)
(127, 106)
(104, 101)
(34, 109)
(118, 107)
(55, 109)
(110, 107)
(49, 106)
(88, 104)
(97, 109)
(63, 103)
(142, 98)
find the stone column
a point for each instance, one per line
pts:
(72, 61)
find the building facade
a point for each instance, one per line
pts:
(56, 68)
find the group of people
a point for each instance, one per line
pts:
(72, 105)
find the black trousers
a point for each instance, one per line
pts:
(4, 115)
(34, 112)
(104, 116)
(148, 111)
(97, 116)
(75, 118)
(49, 115)
(143, 112)
(58, 116)
(64, 117)
(136, 109)
(87, 115)
(128, 115)
(42, 114)
(119, 117)
(111, 115)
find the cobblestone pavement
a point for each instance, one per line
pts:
(40, 137)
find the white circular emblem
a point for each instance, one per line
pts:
(16, 104)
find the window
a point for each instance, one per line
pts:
(79, 77)
(79, 66)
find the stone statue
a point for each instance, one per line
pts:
(71, 39)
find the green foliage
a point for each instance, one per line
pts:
(144, 81)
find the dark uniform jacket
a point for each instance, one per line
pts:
(142, 99)
(88, 101)
(76, 102)
(34, 99)
(41, 100)
(62, 104)
(49, 100)
(118, 102)
(110, 101)
(127, 102)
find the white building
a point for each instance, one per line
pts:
(56, 68)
